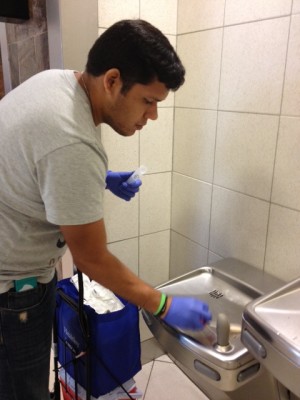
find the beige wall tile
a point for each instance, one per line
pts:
(123, 153)
(145, 332)
(155, 203)
(121, 217)
(296, 6)
(111, 11)
(155, 257)
(286, 186)
(245, 153)
(75, 44)
(291, 95)
(185, 255)
(195, 15)
(253, 65)
(128, 252)
(283, 250)
(160, 13)
(238, 226)
(238, 11)
(156, 142)
(191, 200)
(213, 257)
(201, 55)
(194, 143)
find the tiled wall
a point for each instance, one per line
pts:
(236, 180)
(139, 231)
(28, 44)
(1, 78)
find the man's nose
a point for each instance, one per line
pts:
(152, 112)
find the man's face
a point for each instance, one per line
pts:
(127, 113)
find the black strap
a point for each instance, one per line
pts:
(86, 332)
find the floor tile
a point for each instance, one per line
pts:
(168, 382)
(142, 378)
(164, 358)
(150, 350)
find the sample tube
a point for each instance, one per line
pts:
(137, 174)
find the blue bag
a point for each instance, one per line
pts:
(113, 345)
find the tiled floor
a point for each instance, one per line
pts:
(161, 379)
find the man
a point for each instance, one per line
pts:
(53, 172)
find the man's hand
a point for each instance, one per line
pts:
(187, 313)
(116, 183)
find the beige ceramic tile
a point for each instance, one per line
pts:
(253, 65)
(238, 11)
(164, 358)
(186, 255)
(155, 257)
(245, 153)
(142, 378)
(155, 203)
(145, 332)
(291, 94)
(122, 152)
(74, 44)
(111, 11)
(156, 142)
(296, 6)
(283, 250)
(286, 186)
(195, 15)
(128, 252)
(121, 217)
(238, 226)
(168, 382)
(213, 257)
(194, 143)
(160, 13)
(201, 55)
(191, 200)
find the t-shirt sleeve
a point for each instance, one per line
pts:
(72, 183)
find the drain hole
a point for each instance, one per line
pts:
(216, 294)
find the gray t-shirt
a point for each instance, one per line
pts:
(52, 173)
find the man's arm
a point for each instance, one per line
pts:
(87, 244)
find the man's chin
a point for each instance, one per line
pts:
(127, 132)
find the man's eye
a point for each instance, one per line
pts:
(148, 101)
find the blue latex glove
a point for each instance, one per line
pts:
(116, 183)
(187, 313)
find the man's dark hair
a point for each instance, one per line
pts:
(140, 52)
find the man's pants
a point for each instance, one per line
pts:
(25, 340)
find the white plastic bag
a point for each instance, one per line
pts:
(101, 299)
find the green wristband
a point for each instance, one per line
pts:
(162, 305)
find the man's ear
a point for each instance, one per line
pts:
(112, 80)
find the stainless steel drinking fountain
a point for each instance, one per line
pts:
(271, 332)
(221, 366)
